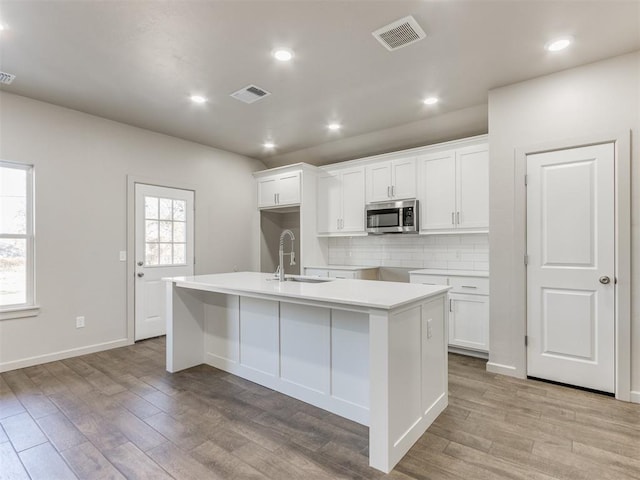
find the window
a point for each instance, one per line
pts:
(16, 237)
(165, 231)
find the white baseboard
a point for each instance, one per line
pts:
(508, 370)
(61, 355)
(635, 397)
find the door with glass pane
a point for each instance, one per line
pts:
(164, 248)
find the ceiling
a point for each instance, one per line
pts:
(138, 62)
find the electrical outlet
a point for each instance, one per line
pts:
(123, 256)
(429, 328)
(79, 322)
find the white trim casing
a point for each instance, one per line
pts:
(622, 145)
(131, 247)
(62, 354)
(501, 369)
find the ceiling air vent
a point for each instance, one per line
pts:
(6, 78)
(250, 94)
(399, 34)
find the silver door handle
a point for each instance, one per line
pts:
(393, 190)
(389, 191)
(604, 280)
(453, 220)
(141, 274)
(468, 286)
(458, 218)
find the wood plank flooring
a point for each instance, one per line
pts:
(118, 414)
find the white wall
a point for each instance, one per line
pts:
(595, 99)
(452, 252)
(81, 168)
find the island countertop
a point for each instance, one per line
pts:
(361, 293)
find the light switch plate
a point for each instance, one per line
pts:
(123, 256)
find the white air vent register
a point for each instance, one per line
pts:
(250, 94)
(6, 78)
(399, 34)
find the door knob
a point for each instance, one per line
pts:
(604, 280)
(141, 274)
(140, 263)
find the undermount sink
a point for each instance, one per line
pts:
(308, 279)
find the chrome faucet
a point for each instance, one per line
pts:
(281, 254)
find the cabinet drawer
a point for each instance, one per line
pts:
(428, 279)
(469, 285)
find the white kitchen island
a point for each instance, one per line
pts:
(373, 352)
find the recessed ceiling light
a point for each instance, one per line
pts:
(198, 99)
(559, 44)
(430, 101)
(282, 54)
(269, 145)
(334, 126)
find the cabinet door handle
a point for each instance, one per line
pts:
(393, 190)
(450, 305)
(341, 223)
(453, 219)
(458, 218)
(388, 191)
(468, 286)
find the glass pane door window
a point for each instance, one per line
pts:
(165, 231)
(16, 235)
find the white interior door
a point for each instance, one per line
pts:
(570, 272)
(163, 248)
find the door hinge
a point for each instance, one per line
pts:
(526, 179)
(526, 340)
(526, 259)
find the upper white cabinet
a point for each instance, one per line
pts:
(391, 180)
(340, 206)
(279, 189)
(455, 190)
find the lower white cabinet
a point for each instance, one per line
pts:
(468, 308)
(358, 273)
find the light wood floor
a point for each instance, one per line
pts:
(118, 414)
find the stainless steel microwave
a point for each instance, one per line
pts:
(392, 217)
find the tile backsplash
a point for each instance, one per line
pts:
(451, 252)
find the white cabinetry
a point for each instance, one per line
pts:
(455, 190)
(391, 180)
(354, 273)
(286, 199)
(278, 190)
(341, 202)
(468, 308)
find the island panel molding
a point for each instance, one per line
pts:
(373, 352)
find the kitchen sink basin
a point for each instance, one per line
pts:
(308, 279)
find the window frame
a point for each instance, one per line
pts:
(29, 307)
